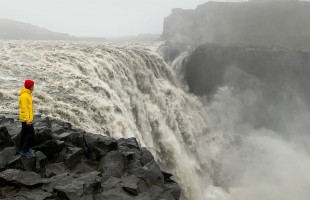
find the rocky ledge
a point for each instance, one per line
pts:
(73, 164)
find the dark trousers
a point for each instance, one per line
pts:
(27, 137)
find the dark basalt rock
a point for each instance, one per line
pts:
(112, 165)
(84, 167)
(72, 191)
(110, 183)
(41, 161)
(173, 190)
(5, 156)
(57, 181)
(59, 127)
(72, 164)
(143, 196)
(20, 178)
(54, 169)
(92, 182)
(5, 138)
(22, 163)
(50, 147)
(146, 156)
(98, 145)
(114, 194)
(26, 194)
(73, 156)
(130, 184)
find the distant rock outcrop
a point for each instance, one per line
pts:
(14, 30)
(72, 164)
(279, 23)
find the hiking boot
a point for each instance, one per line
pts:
(27, 153)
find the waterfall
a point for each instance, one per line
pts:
(120, 90)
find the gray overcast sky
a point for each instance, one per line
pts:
(95, 17)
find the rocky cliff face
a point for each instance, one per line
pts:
(275, 80)
(259, 23)
(73, 164)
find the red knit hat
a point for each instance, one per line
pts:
(29, 84)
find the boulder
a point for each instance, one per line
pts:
(59, 127)
(14, 128)
(98, 145)
(73, 156)
(5, 156)
(42, 135)
(5, 138)
(154, 174)
(20, 178)
(36, 194)
(15, 162)
(135, 167)
(55, 169)
(146, 156)
(92, 182)
(72, 190)
(110, 183)
(29, 164)
(128, 145)
(83, 168)
(112, 164)
(130, 185)
(143, 196)
(41, 161)
(154, 190)
(58, 180)
(173, 190)
(78, 188)
(69, 136)
(50, 147)
(23, 163)
(113, 194)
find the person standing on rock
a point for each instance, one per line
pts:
(26, 115)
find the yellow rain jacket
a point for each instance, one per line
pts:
(25, 106)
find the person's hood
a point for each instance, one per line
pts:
(24, 90)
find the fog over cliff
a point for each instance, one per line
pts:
(280, 23)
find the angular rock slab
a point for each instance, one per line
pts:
(5, 138)
(55, 169)
(6, 155)
(72, 191)
(73, 156)
(113, 194)
(112, 164)
(23, 163)
(17, 177)
(41, 161)
(92, 181)
(110, 183)
(80, 187)
(130, 185)
(26, 194)
(50, 147)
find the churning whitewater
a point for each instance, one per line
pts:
(120, 90)
(127, 90)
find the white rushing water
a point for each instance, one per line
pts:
(122, 90)
(126, 90)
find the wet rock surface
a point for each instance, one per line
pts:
(73, 164)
